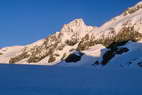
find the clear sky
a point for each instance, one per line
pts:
(25, 21)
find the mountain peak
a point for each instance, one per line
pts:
(101, 44)
(76, 25)
(77, 22)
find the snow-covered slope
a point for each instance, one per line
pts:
(55, 80)
(8, 52)
(43, 80)
(113, 42)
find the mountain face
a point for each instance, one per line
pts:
(117, 41)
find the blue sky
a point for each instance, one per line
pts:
(25, 21)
